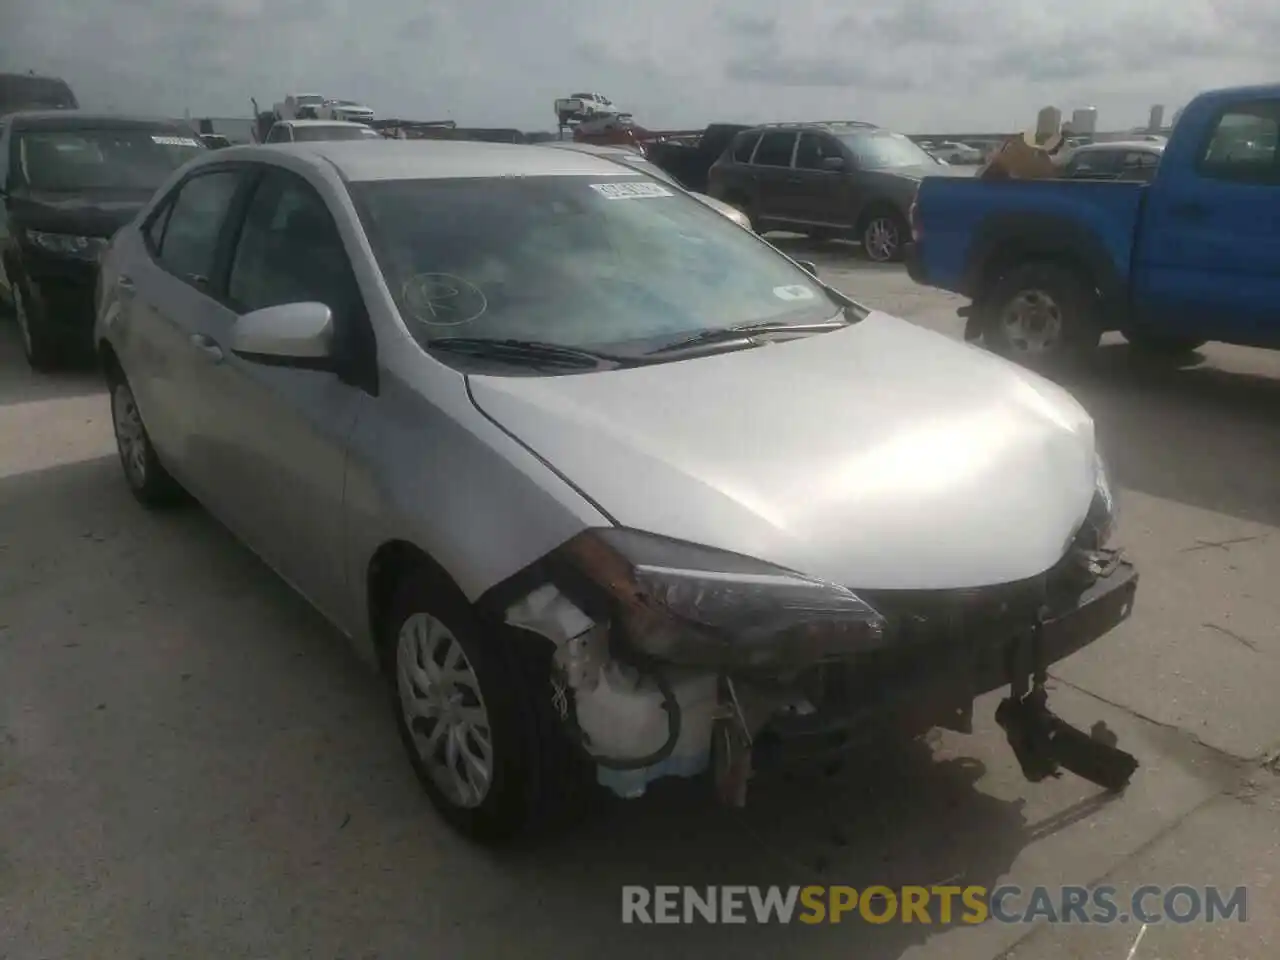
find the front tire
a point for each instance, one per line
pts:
(475, 708)
(148, 480)
(1041, 314)
(39, 347)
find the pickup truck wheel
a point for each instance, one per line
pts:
(1041, 313)
(476, 708)
(884, 235)
(1160, 345)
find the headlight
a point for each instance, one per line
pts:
(696, 606)
(67, 244)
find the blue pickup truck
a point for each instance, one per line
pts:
(1189, 257)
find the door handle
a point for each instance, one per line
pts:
(796, 180)
(125, 283)
(207, 346)
(1189, 211)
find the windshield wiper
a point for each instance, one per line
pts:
(524, 351)
(746, 331)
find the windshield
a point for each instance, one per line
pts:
(334, 132)
(575, 261)
(882, 150)
(132, 158)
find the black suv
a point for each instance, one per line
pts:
(68, 181)
(830, 179)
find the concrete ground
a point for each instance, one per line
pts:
(192, 764)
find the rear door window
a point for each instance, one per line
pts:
(745, 146)
(775, 149)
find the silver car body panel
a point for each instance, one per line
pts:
(882, 455)
(879, 456)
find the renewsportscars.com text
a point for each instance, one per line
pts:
(1149, 904)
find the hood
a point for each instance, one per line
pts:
(880, 456)
(90, 214)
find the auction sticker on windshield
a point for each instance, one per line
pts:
(794, 291)
(630, 191)
(176, 141)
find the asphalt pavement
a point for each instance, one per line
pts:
(192, 764)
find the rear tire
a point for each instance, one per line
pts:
(884, 234)
(1041, 314)
(39, 346)
(498, 714)
(148, 480)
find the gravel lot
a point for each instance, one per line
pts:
(192, 764)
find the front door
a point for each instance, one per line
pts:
(820, 192)
(282, 433)
(1208, 260)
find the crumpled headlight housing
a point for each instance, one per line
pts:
(67, 244)
(1100, 522)
(696, 606)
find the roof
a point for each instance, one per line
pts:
(365, 159)
(81, 119)
(1151, 146)
(320, 123)
(832, 125)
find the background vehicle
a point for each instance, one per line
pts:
(299, 106)
(69, 181)
(299, 131)
(689, 159)
(394, 372)
(583, 106)
(1115, 160)
(347, 110)
(27, 91)
(956, 153)
(1050, 265)
(841, 179)
(635, 160)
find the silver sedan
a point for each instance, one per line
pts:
(595, 478)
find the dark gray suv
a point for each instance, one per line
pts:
(832, 179)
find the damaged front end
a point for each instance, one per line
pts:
(673, 659)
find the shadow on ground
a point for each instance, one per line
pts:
(183, 729)
(19, 384)
(1192, 432)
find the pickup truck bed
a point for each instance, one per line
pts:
(1192, 256)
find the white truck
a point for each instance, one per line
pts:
(345, 110)
(299, 106)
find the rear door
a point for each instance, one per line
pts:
(5, 240)
(772, 172)
(1208, 260)
(169, 300)
(820, 194)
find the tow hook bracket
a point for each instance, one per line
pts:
(1045, 744)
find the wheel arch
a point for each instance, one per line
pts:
(1003, 244)
(391, 563)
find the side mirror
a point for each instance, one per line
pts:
(809, 267)
(290, 335)
(833, 163)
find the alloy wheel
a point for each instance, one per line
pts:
(131, 437)
(881, 239)
(444, 710)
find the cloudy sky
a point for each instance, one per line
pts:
(916, 65)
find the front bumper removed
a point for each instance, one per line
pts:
(944, 678)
